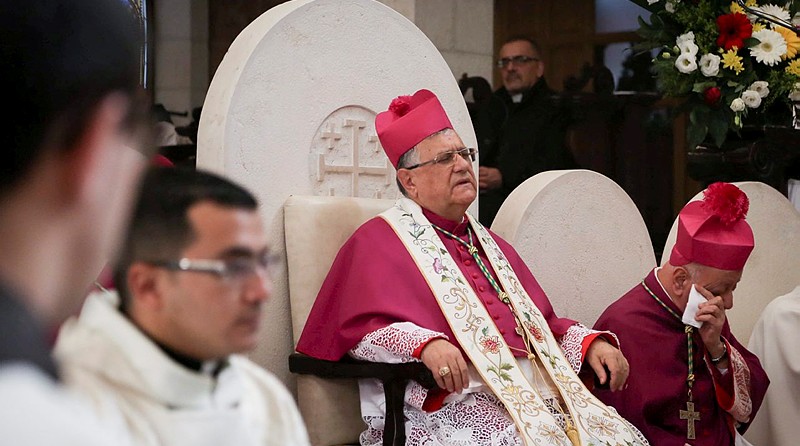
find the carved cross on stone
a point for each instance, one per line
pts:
(331, 136)
(355, 169)
(690, 416)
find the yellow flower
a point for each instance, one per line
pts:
(735, 8)
(732, 61)
(794, 67)
(792, 42)
(758, 27)
(751, 3)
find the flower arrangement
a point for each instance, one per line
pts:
(728, 60)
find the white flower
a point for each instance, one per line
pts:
(796, 19)
(685, 63)
(771, 48)
(737, 105)
(795, 94)
(685, 37)
(688, 47)
(751, 98)
(652, 2)
(760, 87)
(709, 65)
(775, 11)
(670, 5)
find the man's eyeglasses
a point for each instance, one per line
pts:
(447, 158)
(517, 60)
(236, 268)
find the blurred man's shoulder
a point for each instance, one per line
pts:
(37, 410)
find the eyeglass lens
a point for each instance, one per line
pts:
(517, 60)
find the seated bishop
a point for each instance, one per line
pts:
(691, 381)
(425, 281)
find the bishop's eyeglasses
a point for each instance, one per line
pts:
(237, 268)
(448, 158)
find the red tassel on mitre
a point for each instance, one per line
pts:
(400, 105)
(726, 201)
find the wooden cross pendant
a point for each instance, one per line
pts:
(690, 416)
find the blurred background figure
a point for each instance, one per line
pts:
(71, 161)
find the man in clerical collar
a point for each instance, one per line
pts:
(424, 281)
(160, 356)
(693, 382)
(528, 127)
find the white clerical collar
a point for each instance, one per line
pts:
(516, 98)
(658, 268)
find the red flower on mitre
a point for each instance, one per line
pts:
(733, 30)
(726, 201)
(400, 105)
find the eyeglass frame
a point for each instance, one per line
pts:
(448, 157)
(224, 269)
(516, 60)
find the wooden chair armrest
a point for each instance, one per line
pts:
(351, 368)
(394, 377)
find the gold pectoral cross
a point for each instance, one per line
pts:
(690, 416)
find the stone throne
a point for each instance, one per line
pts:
(290, 111)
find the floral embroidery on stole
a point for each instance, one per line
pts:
(596, 423)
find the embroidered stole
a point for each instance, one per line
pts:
(475, 331)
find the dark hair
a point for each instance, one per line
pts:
(537, 50)
(60, 58)
(159, 228)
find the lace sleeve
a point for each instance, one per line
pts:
(574, 343)
(394, 343)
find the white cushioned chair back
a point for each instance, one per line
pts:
(316, 228)
(773, 268)
(582, 237)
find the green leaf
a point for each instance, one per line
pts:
(700, 87)
(506, 366)
(699, 114)
(445, 279)
(485, 331)
(718, 127)
(505, 376)
(696, 133)
(751, 42)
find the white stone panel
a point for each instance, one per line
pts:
(472, 64)
(581, 236)
(173, 62)
(474, 26)
(174, 16)
(773, 268)
(286, 75)
(436, 19)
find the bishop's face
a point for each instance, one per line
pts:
(447, 189)
(719, 282)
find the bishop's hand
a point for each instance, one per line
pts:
(600, 354)
(712, 314)
(447, 364)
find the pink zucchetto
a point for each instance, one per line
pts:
(409, 120)
(713, 232)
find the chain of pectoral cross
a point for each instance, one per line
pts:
(690, 415)
(473, 251)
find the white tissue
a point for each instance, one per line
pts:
(695, 299)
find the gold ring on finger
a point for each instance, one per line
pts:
(444, 371)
